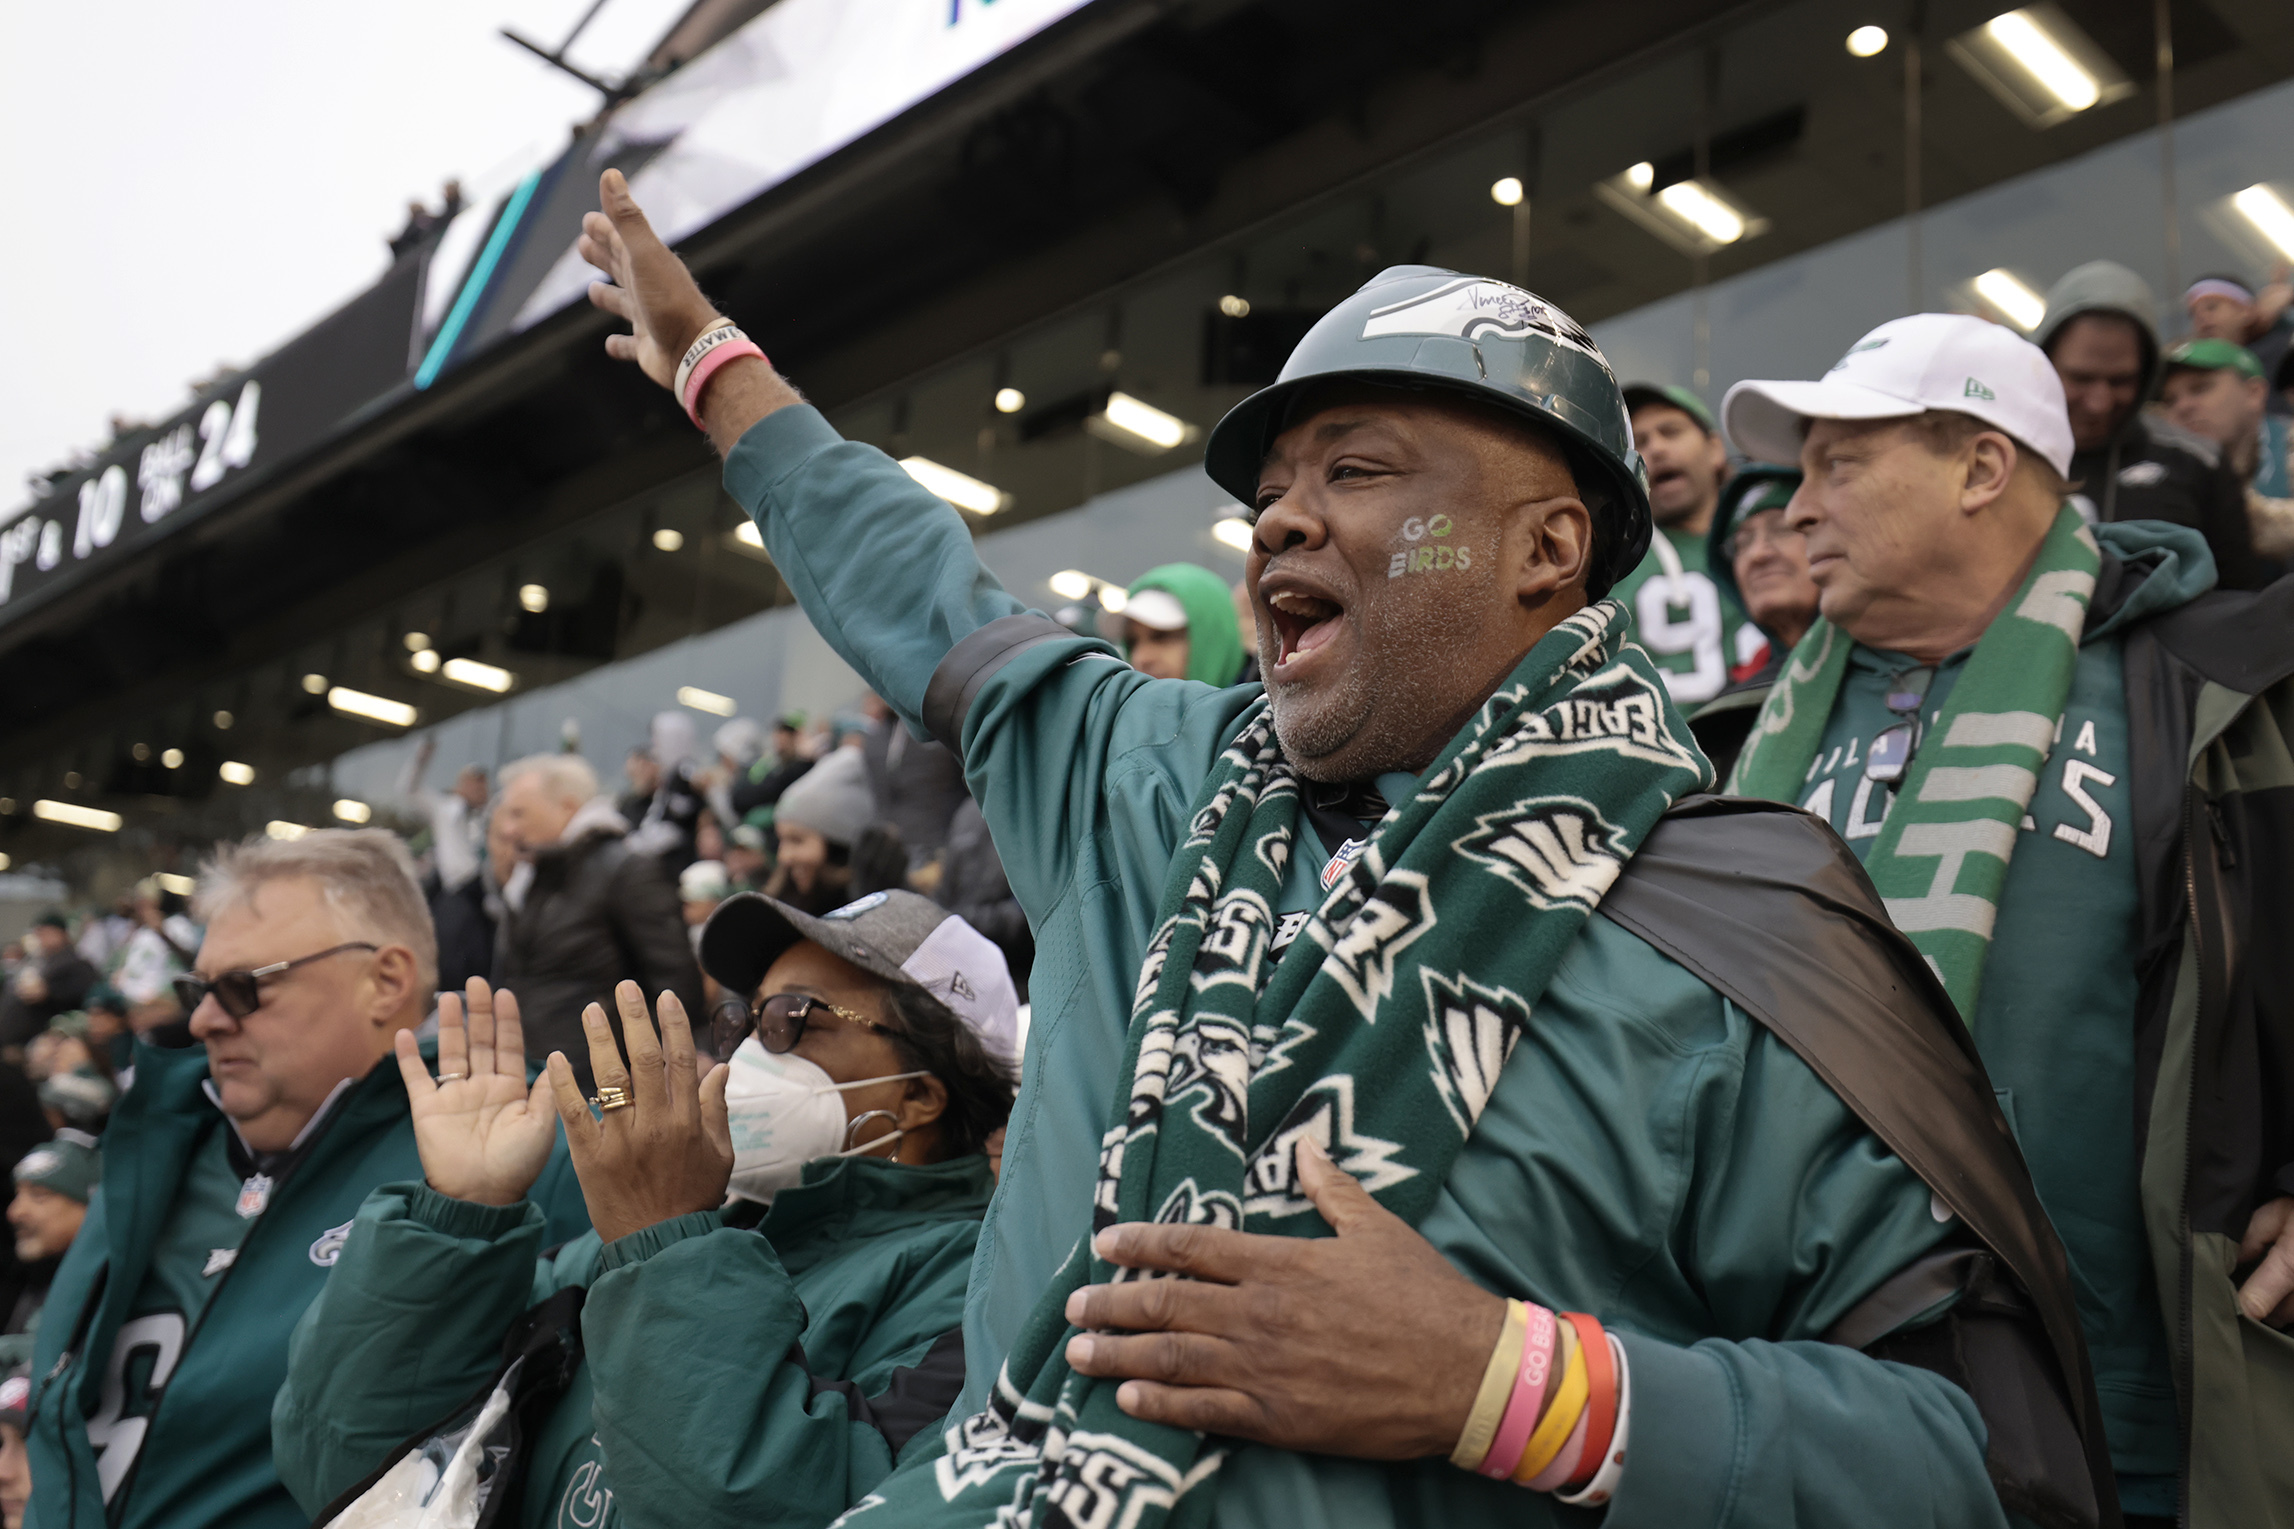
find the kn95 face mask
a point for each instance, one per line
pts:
(784, 1112)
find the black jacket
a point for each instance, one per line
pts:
(2151, 470)
(918, 787)
(595, 914)
(68, 978)
(974, 888)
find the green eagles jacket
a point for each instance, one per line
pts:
(2209, 685)
(732, 1377)
(203, 1455)
(1645, 1114)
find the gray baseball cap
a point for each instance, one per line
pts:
(897, 935)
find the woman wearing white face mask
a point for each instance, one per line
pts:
(776, 1282)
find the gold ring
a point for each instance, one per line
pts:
(610, 1098)
(452, 1077)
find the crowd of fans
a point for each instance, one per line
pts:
(648, 1288)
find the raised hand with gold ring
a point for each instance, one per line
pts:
(658, 1145)
(484, 1133)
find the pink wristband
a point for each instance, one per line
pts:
(1528, 1400)
(1564, 1464)
(707, 368)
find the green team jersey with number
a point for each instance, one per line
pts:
(200, 1240)
(2055, 1020)
(1694, 630)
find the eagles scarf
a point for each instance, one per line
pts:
(1942, 855)
(1378, 1035)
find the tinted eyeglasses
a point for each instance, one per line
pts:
(240, 994)
(1890, 754)
(779, 1021)
(1762, 526)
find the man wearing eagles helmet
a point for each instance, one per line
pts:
(1366, 1002)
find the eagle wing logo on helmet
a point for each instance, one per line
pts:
(1472, 307)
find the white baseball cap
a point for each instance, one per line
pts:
(1908, 366)
(1156, 609)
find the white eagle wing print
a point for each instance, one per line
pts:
(1474, 306)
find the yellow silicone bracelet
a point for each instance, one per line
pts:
(1497, 1385)
(1553, 1429)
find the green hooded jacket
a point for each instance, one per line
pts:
(191, 1402)
(731, 1377)
(1722, 1208)
(1214, 638)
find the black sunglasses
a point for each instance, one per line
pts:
(240, 994)
(779, 1021)
(1891, 750)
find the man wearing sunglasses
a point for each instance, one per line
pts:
(2063, 762)
(233, 1171)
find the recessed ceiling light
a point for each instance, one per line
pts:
(1506, 192)
(1866, 41)
(371, 708)
(1010, 400)
(1235, 307)
(279, 829)
(479, 676)
(426, 661)
(1234, 531)
(962, 490)
(172, 758)
(533, 599)
(1641, 176)
(707, 700)
(73, 815)
(351, 810)
(2040, 65)
(417, 641)
(1137, 425)
(315, 684)
(2271, 217)
(234, 773)
(1071, 583)
(2022, 307)
(222, 721)
(669, 539)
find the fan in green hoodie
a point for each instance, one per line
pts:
(1179, 624)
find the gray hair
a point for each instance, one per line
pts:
(567, 777)
(365, 874)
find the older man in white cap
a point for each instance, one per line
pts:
(2050, 745)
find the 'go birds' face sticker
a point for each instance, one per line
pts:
(1436, 555)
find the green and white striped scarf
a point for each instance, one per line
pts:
(1378, 1034)
(1942, 856)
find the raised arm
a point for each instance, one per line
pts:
(887, 573)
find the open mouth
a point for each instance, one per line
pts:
(1665, 478)
(1302, 623)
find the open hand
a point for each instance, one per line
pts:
(666, 1153)
(483, 1134)
(651, 287)
(2268, 1293)
(1367, 1345)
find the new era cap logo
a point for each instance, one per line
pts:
(1976, 389)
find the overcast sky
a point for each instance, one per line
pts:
(197, 182)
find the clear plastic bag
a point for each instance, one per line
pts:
(444, 1482)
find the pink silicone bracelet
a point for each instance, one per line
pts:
(707, 368)
(1513, 1430)
(1564, 1464)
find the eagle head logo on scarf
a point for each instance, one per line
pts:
(1379, 1034)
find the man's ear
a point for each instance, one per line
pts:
(1559, 551)
(392, 982)
(1986, 465)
